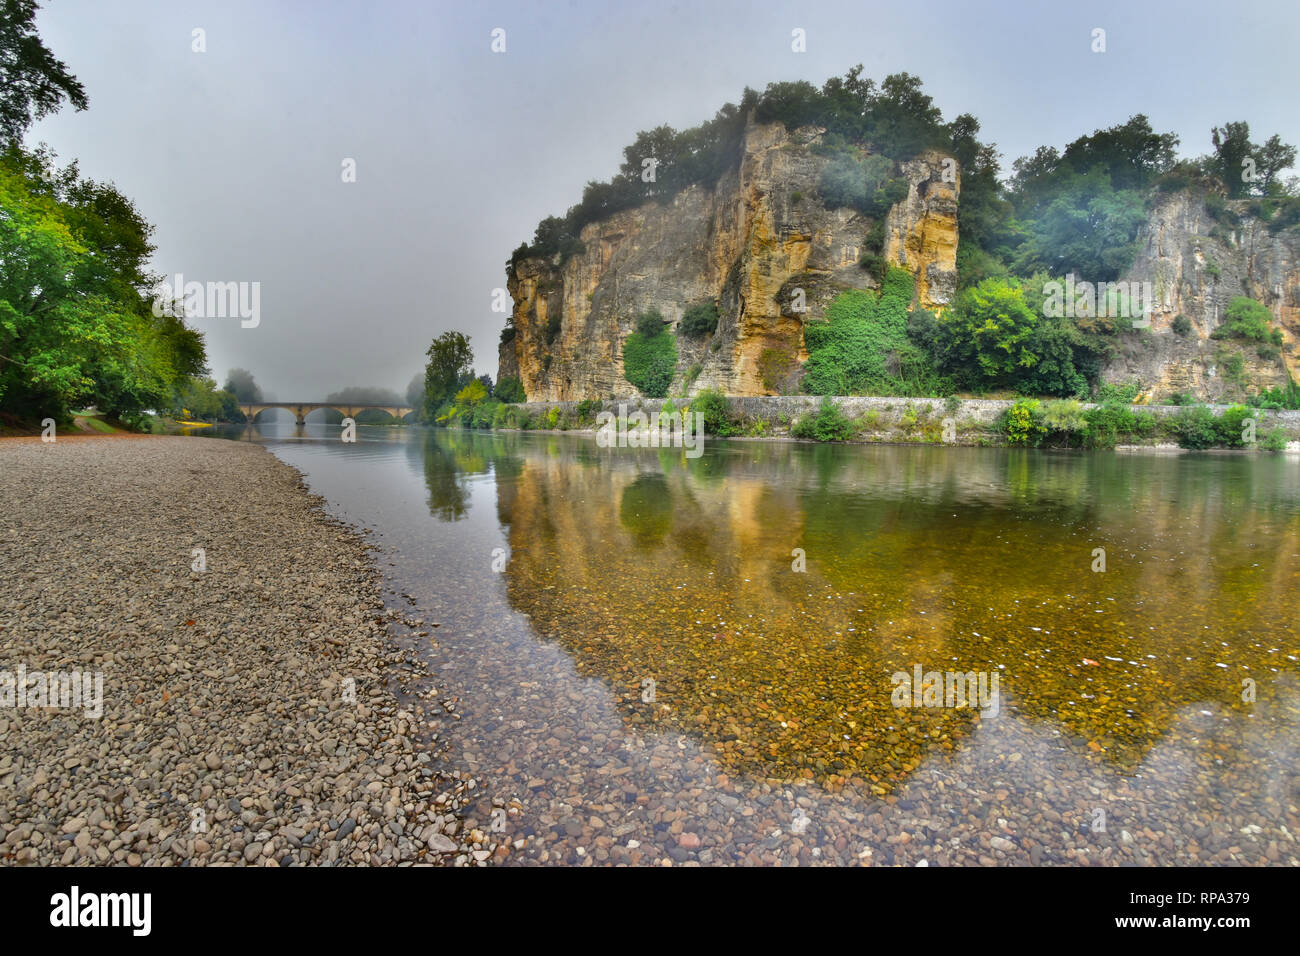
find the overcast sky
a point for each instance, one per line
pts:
(236, 153)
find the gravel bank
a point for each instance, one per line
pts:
(228, 734)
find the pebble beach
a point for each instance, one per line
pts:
(250, 692)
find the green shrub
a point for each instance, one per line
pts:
(874, 263)
(1111, 392)
(484, 414)
(1220, 212)
(650, 324)
(1182, 398)
(1114, 420)
(587, 409)
(862, 348)
(1063, 418)
(828, 424)
(1196, 428)
(650, 357)
(1245, 319)
(1283, 396)
(1021, 424)
(516, 416)
(509, 390)
(716, 410)
(700, 320)
(553, 418)
(874, 240)
(1275, 440)
(1233, 366)
(1182, 325)
(1228, 426)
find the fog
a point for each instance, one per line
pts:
(237, 153)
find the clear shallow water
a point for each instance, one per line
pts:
(773, 735)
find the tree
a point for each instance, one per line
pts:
(415, 391)
(1132, 154)
(1231, 146)
(1088, 228)
(1274, 157)
(700, 320)
(466, 402)
(1245, 168)
(509, 390)
(240, 383)
(450, 360)
(1034, 177)
(33, 83)
(75, 327)
(990, 327)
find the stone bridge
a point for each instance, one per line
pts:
(302, 409)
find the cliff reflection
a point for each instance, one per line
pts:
(647, 566)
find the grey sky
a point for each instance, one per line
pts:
(236, 153)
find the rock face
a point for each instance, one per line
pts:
(1196, 267)
(759, 244)
(762, 246)
(921, 230)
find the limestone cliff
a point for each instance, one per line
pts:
(1196, 266)
(764, 248)
(759, 244)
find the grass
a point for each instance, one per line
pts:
(98, 424)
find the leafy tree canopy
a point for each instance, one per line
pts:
(33, 83)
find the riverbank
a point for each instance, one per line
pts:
(250, 708)
(910, 421)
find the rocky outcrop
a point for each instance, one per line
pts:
(1196, 266)
(921, 230)
(759, 244)
(763, 247)
(507, 360)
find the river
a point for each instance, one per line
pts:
(648, 657)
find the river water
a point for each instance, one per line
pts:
(743, 658)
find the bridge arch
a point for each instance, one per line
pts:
(302, 409)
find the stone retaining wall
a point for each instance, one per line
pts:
(971, 414)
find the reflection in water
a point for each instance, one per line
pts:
(646, 509)
(967, 561)
(1121, 690)
(448, 492)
